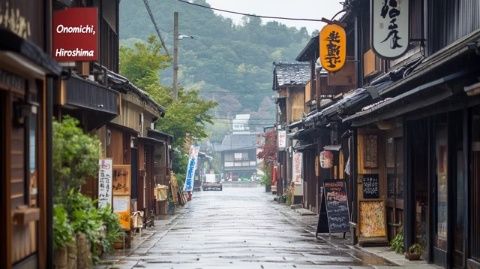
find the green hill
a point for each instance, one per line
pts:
(229, 63)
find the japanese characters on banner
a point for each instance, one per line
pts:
(191, 167)
(282, 139)
(105, 183)
(75, 32)
(390, 31)
(297, 164)
(333, 47)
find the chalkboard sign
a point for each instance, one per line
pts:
(370, 186)
(336, 203)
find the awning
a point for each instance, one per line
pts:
(302, 147)
(414, 99)
(150, 140)
(295, 124)
(10, 42)
(432, 64)
(158, 134)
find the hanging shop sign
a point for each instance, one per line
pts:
(326, 159)
(105, 175)
(390, 29)
(75, 33)
(282, 139)
(333, 47)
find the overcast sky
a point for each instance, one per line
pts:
(312, 9)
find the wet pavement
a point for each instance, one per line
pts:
(241, 228)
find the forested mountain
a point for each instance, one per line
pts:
(229, 63)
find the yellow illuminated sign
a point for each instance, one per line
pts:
(333, 47)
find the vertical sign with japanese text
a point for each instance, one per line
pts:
(390, 29)
(191, 167)
(333, 47)
(105, 183)
(297, 164)
(282, 139)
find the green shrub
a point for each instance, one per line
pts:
(100, 226)
(62, 230)
(75, 156)
(397, 243)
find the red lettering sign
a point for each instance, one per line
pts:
(75, 32)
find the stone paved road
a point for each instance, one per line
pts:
(240, 228)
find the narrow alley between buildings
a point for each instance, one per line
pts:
(239, 227)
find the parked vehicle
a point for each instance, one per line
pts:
(212, 182)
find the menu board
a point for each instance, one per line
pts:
(372, 220)
(105, 183)
(336, 203)
(370, 186)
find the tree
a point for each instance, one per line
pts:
(269, 149)
(187, 116)
(75, 156)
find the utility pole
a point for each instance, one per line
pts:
(175, 55)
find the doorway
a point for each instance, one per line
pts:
(420, 174)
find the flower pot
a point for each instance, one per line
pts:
(412, 256)
(268, 188)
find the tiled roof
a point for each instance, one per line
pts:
(290, 74)
(237, 141)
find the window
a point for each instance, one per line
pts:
(238, 156)
(394, 158)
(441, 153)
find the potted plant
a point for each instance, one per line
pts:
(397, 243)
(414, 252)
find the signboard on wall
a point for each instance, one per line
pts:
(121, 189)
(121, 179)
(333, 47)
(121, 207)
(105, 176)
(390, 28)
(282, 139)
(75, 34)
(297, 168)
(371, 188)
(372, 221)
(297, 165)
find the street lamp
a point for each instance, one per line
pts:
(176, 38)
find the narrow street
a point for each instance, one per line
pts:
(241, 228)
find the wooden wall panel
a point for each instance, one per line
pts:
(116, 146)
(296, 104)
(17, 167)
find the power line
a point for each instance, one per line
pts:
(253, 15)
(147, 6)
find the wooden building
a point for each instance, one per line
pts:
(411, 130)
(238, 156)
(27, 76)
(289, 81)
